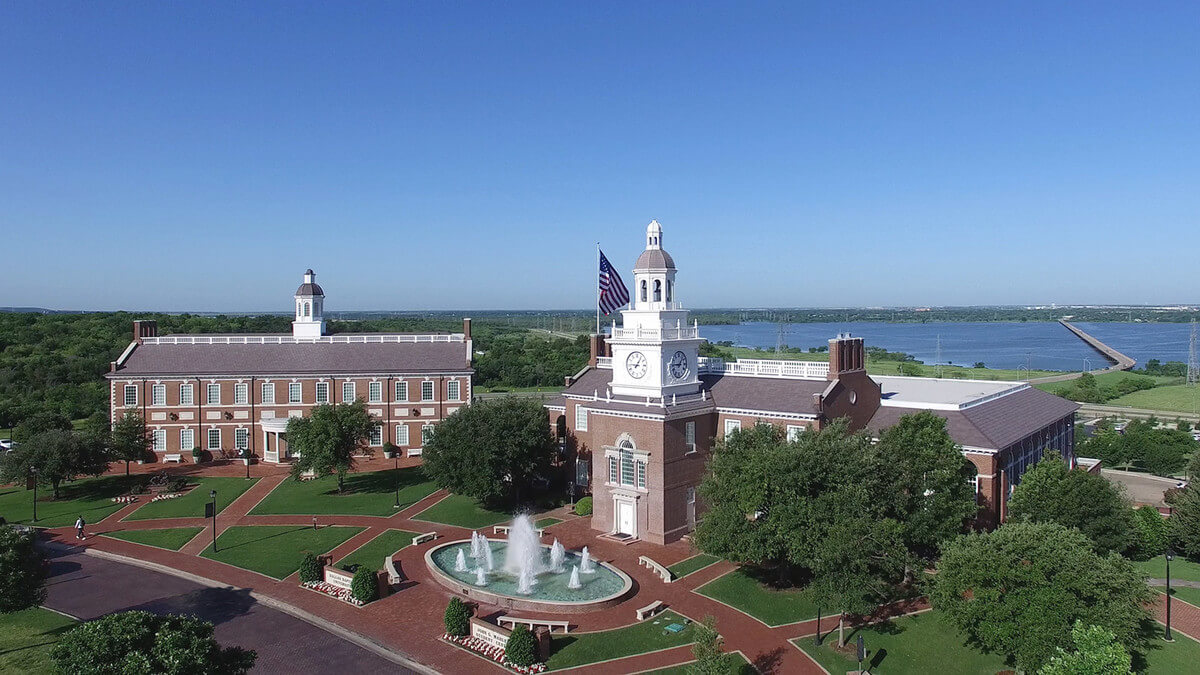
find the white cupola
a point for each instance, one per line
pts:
(654, 274)
(310, 308)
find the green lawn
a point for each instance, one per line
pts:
(372, 553)
(692, 564)
(276, 550)
(773, 607)
(567, 651)
(735, 663)
(1180, 656)
(1171, 397)
(879, 367)
(462, 512)
(367, 494)
(191, 504)
(547, 522)
(90, 498)
(172, 538)
(1156, 568)
(26, 638)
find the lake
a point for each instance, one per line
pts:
(1042, 345)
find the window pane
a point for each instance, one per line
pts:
(626, 468)
(241, 438)
(347, 392)
(452, 390)
(160, 440)
(185, 394)
(294, 392)
(158, 394)
(612, 470)
(214, 394)
(214, 439)
(131, 394)
(426, 433)
(641, 474)
(581, 418)
(401, 391)
(240, 394)
(401, 434)
(376, 435)
(427, 390)
(375, 392)
(268, 392)
(322, 392)
(187, 440)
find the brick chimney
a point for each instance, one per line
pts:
(846, 355)
(146, 328)
(598, 347)
(467, 328)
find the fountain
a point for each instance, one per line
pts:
(557, 553)
(585, 562)
(522, 573)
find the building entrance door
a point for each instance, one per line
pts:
(625, 518)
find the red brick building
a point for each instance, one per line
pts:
(225, 393)
(642, 418)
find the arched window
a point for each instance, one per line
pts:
(306, 309)
(627, 467)
(657, 290)
(670, 287)
(643, 290)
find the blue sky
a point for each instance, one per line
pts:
(199, 156)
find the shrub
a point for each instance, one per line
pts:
(1152, 532)
(141, 642)
(177, 485)
(583, 507)
(521, 649)
(22, 575)
(365, 586)
(457, 618)
(310, 569)
(390, 448)
(138, 489)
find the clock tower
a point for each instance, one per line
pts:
(655, 352)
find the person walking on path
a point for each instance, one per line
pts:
(79, 528)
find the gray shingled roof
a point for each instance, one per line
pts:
(654, 259)
(767, 394)
(309, 289)
(295, 359)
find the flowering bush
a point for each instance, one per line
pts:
(332, 591)
(160, 497)
(492, 652)
(126, 499)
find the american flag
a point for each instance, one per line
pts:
(613, 294)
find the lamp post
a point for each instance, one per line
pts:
(246, 454)
(396, 466)
(33, 472)
(213, 495)
(817, 637)
(1169, 555)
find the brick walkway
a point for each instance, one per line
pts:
(409, 622)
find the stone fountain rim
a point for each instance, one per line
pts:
(524, 603)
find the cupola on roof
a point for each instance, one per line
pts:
(310, 286)
(654, 257)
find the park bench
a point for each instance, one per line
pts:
(656, 568)
(503, 529)
(414, 452)
(549, 624)
(173, 457)
(650, 610)
(308, 475)
(393, 572)
(422, 538)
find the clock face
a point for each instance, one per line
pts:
(635, 363)
(678, 365)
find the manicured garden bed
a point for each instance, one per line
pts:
(692, 564)
(568, 651)
(740, 590)
(462, 512)
(547, 522)
(26, 638)
(367, 494)
(90, 498)
(275, 550)
(191, 503)
(372, 553)
(735, 664)
(172, 538)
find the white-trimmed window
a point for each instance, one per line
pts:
(426, 433)
(159, 437)
(580, 418)
(130, 394)
(214, 394)
(452, 390)
(613, 476)
(427, 390)
(376, 438)
(322, 392)
(689, 435)
(627, 467)
(641, 475)
(185, 394)
(732, 426)
(214, 439)
(158, 394)
(375, 392)
(401, 434)
(794, 431)
(241, 439)
(241, 393)
(187, 439)
(401, 390)
(974, 481)
(294, 392)
(268, 392)
(347, 392)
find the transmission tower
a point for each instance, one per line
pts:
(1193, 371)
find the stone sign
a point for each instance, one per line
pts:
(490, 633)
(338, 578)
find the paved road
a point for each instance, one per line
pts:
(89, 587)
(1141, 488)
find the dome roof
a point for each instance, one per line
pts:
(309, 289)
(654, 259)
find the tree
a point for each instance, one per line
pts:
(1183, 527)
(128, 440)
(56, 456)
(457, 618)
(930, 487)
(708, 650)
(328, 438)
(1097, 652)
(311, 569)
(1152, 532)
(364, 585)
(1050, 492)
(38, 422)
(1019, 590)
(493, 451)
(22, 574)
(521, 648)
(141, 642)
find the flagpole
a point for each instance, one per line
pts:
(597, 289)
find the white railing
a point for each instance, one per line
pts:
(686, 333)
(805, 370)
(604, 362)
(288, 339)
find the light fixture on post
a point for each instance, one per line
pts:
(1169, 555)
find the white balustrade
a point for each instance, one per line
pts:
(288, 339)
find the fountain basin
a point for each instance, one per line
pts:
(605, 587)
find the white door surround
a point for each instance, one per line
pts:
(625, 516)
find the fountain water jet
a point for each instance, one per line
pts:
(557, 554)
(585, 562)
(480, 577)
(475, 547)
(460, 563)
(574, 584)
(524, 553)
(487, 556)
(525, 581)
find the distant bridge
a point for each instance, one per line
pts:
(1118, 360)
